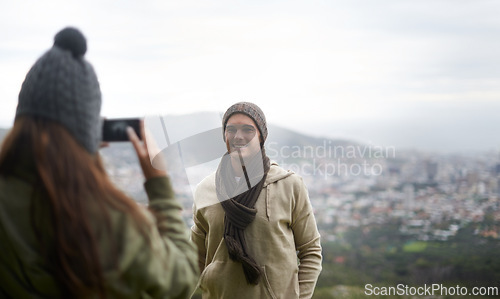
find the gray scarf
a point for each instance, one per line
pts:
(238, 201)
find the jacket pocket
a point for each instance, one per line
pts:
(267, 284)
(283, 286)
(208, 275)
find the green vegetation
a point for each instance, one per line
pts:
(381, 255)
(414, 246)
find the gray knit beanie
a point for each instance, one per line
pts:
(62, 86)
(251, 110)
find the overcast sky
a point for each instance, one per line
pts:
(420, 73)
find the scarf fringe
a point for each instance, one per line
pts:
(236, 253)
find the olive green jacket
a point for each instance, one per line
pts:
(283, 239)
(164, 267)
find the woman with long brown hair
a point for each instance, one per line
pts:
(65, 230)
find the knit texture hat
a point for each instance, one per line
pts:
(251, 110)
(62, 86)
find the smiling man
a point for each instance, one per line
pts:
(260, 239)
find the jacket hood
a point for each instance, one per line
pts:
(276, 173)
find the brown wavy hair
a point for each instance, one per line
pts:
(72, 188)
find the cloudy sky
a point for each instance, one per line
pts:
(422, 73)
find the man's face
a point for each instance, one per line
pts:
(242, 134)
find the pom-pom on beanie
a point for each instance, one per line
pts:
(251, 110)
(62, 86)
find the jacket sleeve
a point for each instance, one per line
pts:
(165, 265)
(307, 240)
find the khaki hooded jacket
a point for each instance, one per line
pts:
(283, 239)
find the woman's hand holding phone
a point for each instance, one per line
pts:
(141, 149)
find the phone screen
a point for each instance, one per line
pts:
(114, 130)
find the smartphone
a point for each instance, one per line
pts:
(114, 130)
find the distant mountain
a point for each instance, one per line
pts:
(281, 138)
(287, 137)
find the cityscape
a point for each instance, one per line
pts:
(433, 196)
